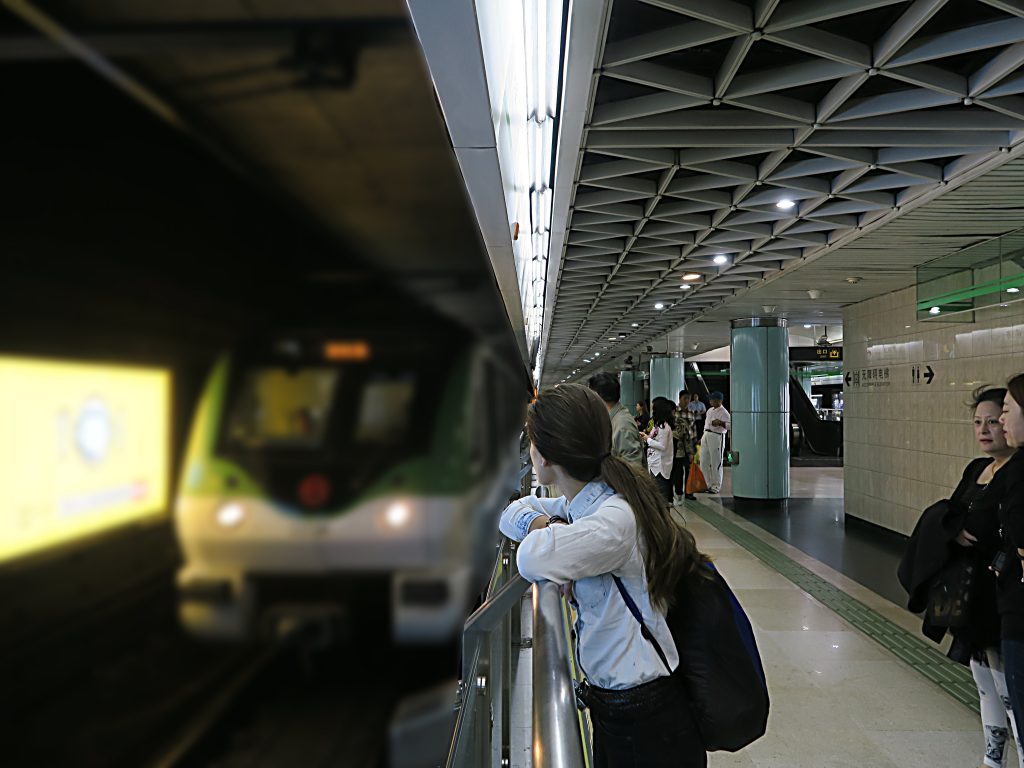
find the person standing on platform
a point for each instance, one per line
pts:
(975, 504)
(685, 439)
(1007, 566)
(643, 416)
(611, 523)
(697, 408)
(659, 446)
(625, 436)
(712, 444)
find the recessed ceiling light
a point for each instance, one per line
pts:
(659, 305)
(906, 326)
(1013, 290)
(934, 311)
(720, 259)
(691, 276)
(785, 204)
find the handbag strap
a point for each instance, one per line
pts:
(644, 631)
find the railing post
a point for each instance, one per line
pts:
(556, 731)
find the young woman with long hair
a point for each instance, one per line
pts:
(612, 521)
(660, 448)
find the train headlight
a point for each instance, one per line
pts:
(397, 515)
(230, 515)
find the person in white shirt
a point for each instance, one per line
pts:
(712, 444)
(611, 524)
(660, 448)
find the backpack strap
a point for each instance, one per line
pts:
(644, 631)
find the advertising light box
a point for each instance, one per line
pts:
(83, 448)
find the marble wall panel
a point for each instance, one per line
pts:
(907, 441)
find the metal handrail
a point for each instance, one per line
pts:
(488, 616)
(556, 735)
(483, 723)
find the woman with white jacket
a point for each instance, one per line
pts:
(660, 450)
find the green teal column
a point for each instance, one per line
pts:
(630, 389)
(668, 376)
(759, 406)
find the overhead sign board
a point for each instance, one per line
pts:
(815, 354)
(83, 448)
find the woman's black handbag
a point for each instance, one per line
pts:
(949, 594)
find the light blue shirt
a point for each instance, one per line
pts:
(600, 540)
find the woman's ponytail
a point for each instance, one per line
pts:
(671, 551)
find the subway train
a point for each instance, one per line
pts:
(348, 478)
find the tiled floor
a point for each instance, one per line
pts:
(838, 698)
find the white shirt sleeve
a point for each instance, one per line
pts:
(517, 517)
(726, 418)
(596, 544)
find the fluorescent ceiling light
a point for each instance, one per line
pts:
(691, 276)
(1013, 290)
(686, 287)
(808, 325)
(659, 305)
(613, 338)
(934, 311)
(720, 259)
(785, 204)
(634, 325)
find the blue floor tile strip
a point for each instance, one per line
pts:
(955, 679)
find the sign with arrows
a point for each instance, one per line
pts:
(915, 374)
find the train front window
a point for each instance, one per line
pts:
(385, 409)
(282, 408)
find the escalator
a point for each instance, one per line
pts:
(824, 438)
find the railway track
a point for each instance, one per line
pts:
(293, 706)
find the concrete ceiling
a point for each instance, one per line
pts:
(704, 114)
(325, 104)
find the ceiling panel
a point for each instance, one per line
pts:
(888, 131)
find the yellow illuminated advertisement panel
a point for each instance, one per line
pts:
(83, 448)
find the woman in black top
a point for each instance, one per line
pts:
(975, 513)
(1009, 572)
(643, 415)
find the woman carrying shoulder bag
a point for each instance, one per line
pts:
(611, 522)
(976, 503)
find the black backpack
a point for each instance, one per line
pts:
(719, 665)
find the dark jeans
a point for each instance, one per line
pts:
(680, 469)
(1013, 667)
(649, 726)
(664, 487)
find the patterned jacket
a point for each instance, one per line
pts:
(685, 432)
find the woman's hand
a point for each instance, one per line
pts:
(965, 539)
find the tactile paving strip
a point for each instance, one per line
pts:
(955, 679)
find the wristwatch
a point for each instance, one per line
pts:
(556, 519)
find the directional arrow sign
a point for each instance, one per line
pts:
(929, 373)
(848, 377)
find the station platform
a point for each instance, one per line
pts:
(852, 681)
